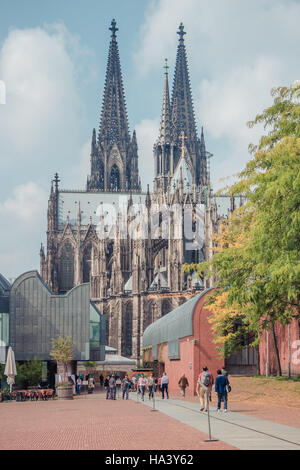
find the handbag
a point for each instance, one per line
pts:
(228, 388)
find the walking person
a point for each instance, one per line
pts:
(118, 385)
(101, 379)
(183, 383)
(134, 382)
(151, 386)
(159, 384)
(125, 387)
(204, 386)
(106, 386)
(91, 385)
(221, 389)
(164, 385)
(112, 388)
(142, 385)
(78, 385)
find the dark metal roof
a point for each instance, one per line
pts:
(37, 316)
(176, 324)
(4, 284)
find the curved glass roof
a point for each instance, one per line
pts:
(176, 324)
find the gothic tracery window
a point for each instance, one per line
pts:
(100, 171)
(86, 263)
(166, 307)
(115, 178)
(127, 331)
(66, 268)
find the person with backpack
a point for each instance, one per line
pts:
(204, 386)
(221, 388)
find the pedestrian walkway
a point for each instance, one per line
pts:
(238, 430)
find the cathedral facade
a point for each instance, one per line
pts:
(129, 244)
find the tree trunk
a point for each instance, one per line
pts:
(279, 372)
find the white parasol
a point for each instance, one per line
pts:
(10, 368)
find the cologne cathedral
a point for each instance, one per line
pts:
(130, 244)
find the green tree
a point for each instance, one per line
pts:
(29, 373)
(62, 351)
(257, 263)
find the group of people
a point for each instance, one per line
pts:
(142, 384)
(204, 387)
(205, 384)
(139, 384)
(90, 383)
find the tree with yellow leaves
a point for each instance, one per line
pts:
(256, 260)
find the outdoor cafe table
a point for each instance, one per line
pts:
(40, 393)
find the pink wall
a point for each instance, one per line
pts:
(282, 340)
(193, 356)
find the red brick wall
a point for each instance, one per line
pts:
(205, 349)
(194, 356)
(176, 368)
(281, 332)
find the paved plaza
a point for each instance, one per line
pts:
(90, 422)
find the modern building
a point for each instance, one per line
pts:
(4, 317)
(36, 316)
(31, 316)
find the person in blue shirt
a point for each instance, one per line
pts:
(221, 389)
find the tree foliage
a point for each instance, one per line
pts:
(62, 350)
(29, 373)
(256, 259)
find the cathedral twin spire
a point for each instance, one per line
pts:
(178, 119)
(114, 158)
(114, 123)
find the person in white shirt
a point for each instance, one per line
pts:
(151, 386)
(142, 385)
(164, 385)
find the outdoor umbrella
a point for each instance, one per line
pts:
(10, 368)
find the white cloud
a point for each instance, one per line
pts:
(26, 206)
(24, 220)
(39, 132)
(146, 134)
(83, 168)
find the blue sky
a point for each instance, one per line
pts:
(53, 59)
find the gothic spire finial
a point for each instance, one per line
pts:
(182, 104)
(56, 181)
(181, 32)
(113, 28)
(166, 67)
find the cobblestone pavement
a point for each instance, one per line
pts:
(90, 422)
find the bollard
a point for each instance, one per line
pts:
(208, 418)
(153, 401)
